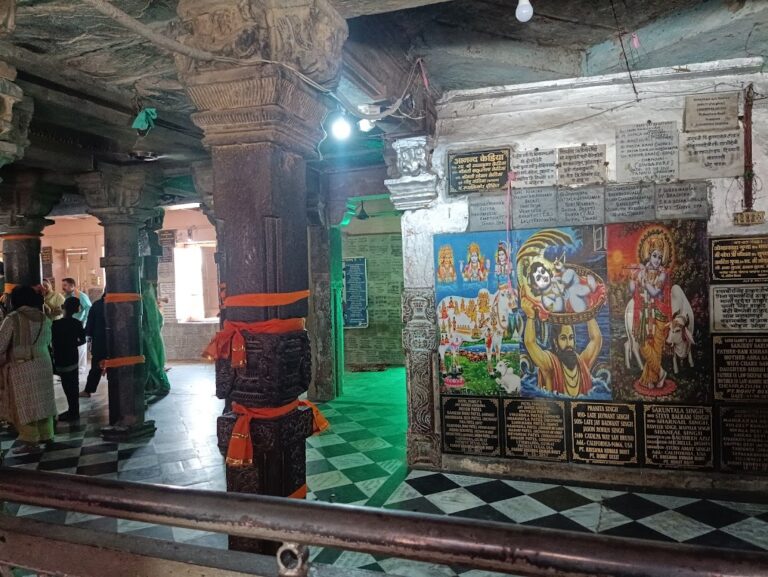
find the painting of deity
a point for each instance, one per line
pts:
(564, 353)
(658, 276)
(526, 314)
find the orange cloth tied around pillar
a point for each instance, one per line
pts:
(240, 450)
(122, 297)
(265, 299)
(20, 236)
(229, 342)
(120, 362)
(300, 493)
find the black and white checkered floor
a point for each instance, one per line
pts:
(361, 461)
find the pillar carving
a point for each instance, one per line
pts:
(261, 122)
(123, 199)
(320, 319)
(414, 185)
(420, 339)
(25, 200)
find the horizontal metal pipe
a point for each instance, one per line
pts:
(500, 547)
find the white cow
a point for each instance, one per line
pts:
(499, 313)
(681, 339)
(681, 324)
(507, 380)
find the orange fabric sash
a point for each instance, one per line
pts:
(121, 297)
(120, 362)
(9, 287)
(300, 493)
(240, 450)
(265, 299)
(20, 236)
(229, 342)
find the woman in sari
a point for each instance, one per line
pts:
(54, 302)
(27, 399)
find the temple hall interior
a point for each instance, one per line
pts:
(428, 288)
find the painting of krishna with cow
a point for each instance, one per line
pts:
(615, 312)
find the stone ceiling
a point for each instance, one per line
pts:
(86, 72)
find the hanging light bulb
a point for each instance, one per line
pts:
(365, 125)
(524, 10)
(341, 128)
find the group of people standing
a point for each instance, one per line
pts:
(45, 332)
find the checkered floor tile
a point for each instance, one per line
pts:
(361, 461)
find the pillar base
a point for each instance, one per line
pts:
(123, 433)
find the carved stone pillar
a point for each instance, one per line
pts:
(25, 201)
(260, 122)
(320, 321)
(414, 189)
(415, 186)
(122, 198)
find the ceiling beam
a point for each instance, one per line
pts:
(354, 8)
(47, 67)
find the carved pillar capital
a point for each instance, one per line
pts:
(15, 116)
(415, 187)
(240, 103)
(121, 194)
(25, 201)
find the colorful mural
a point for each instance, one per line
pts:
(657, 275)
(524, 314)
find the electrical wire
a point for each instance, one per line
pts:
(623, 51)
(193, 53)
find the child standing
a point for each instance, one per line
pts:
(68, 334)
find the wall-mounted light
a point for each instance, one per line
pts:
(524, 10)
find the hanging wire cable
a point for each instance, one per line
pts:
(171, 45)
(623, 51)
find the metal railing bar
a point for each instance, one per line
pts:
(80, 552)
(524, 551)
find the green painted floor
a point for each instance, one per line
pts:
(361, 459)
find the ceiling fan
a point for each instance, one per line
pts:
(362, 214)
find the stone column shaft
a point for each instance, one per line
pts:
(260, 123)
(21, 259)
(414, 188)
(123, 319)
(122, 198)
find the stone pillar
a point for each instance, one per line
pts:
(322, 388)
(261, 122)
(415, 188)
(25, 201)
(320, 321)
(337, 306)
(122, 198)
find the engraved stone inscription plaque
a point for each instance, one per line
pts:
(604, 433)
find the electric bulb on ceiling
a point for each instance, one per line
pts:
(524, 10)
(341, 128)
